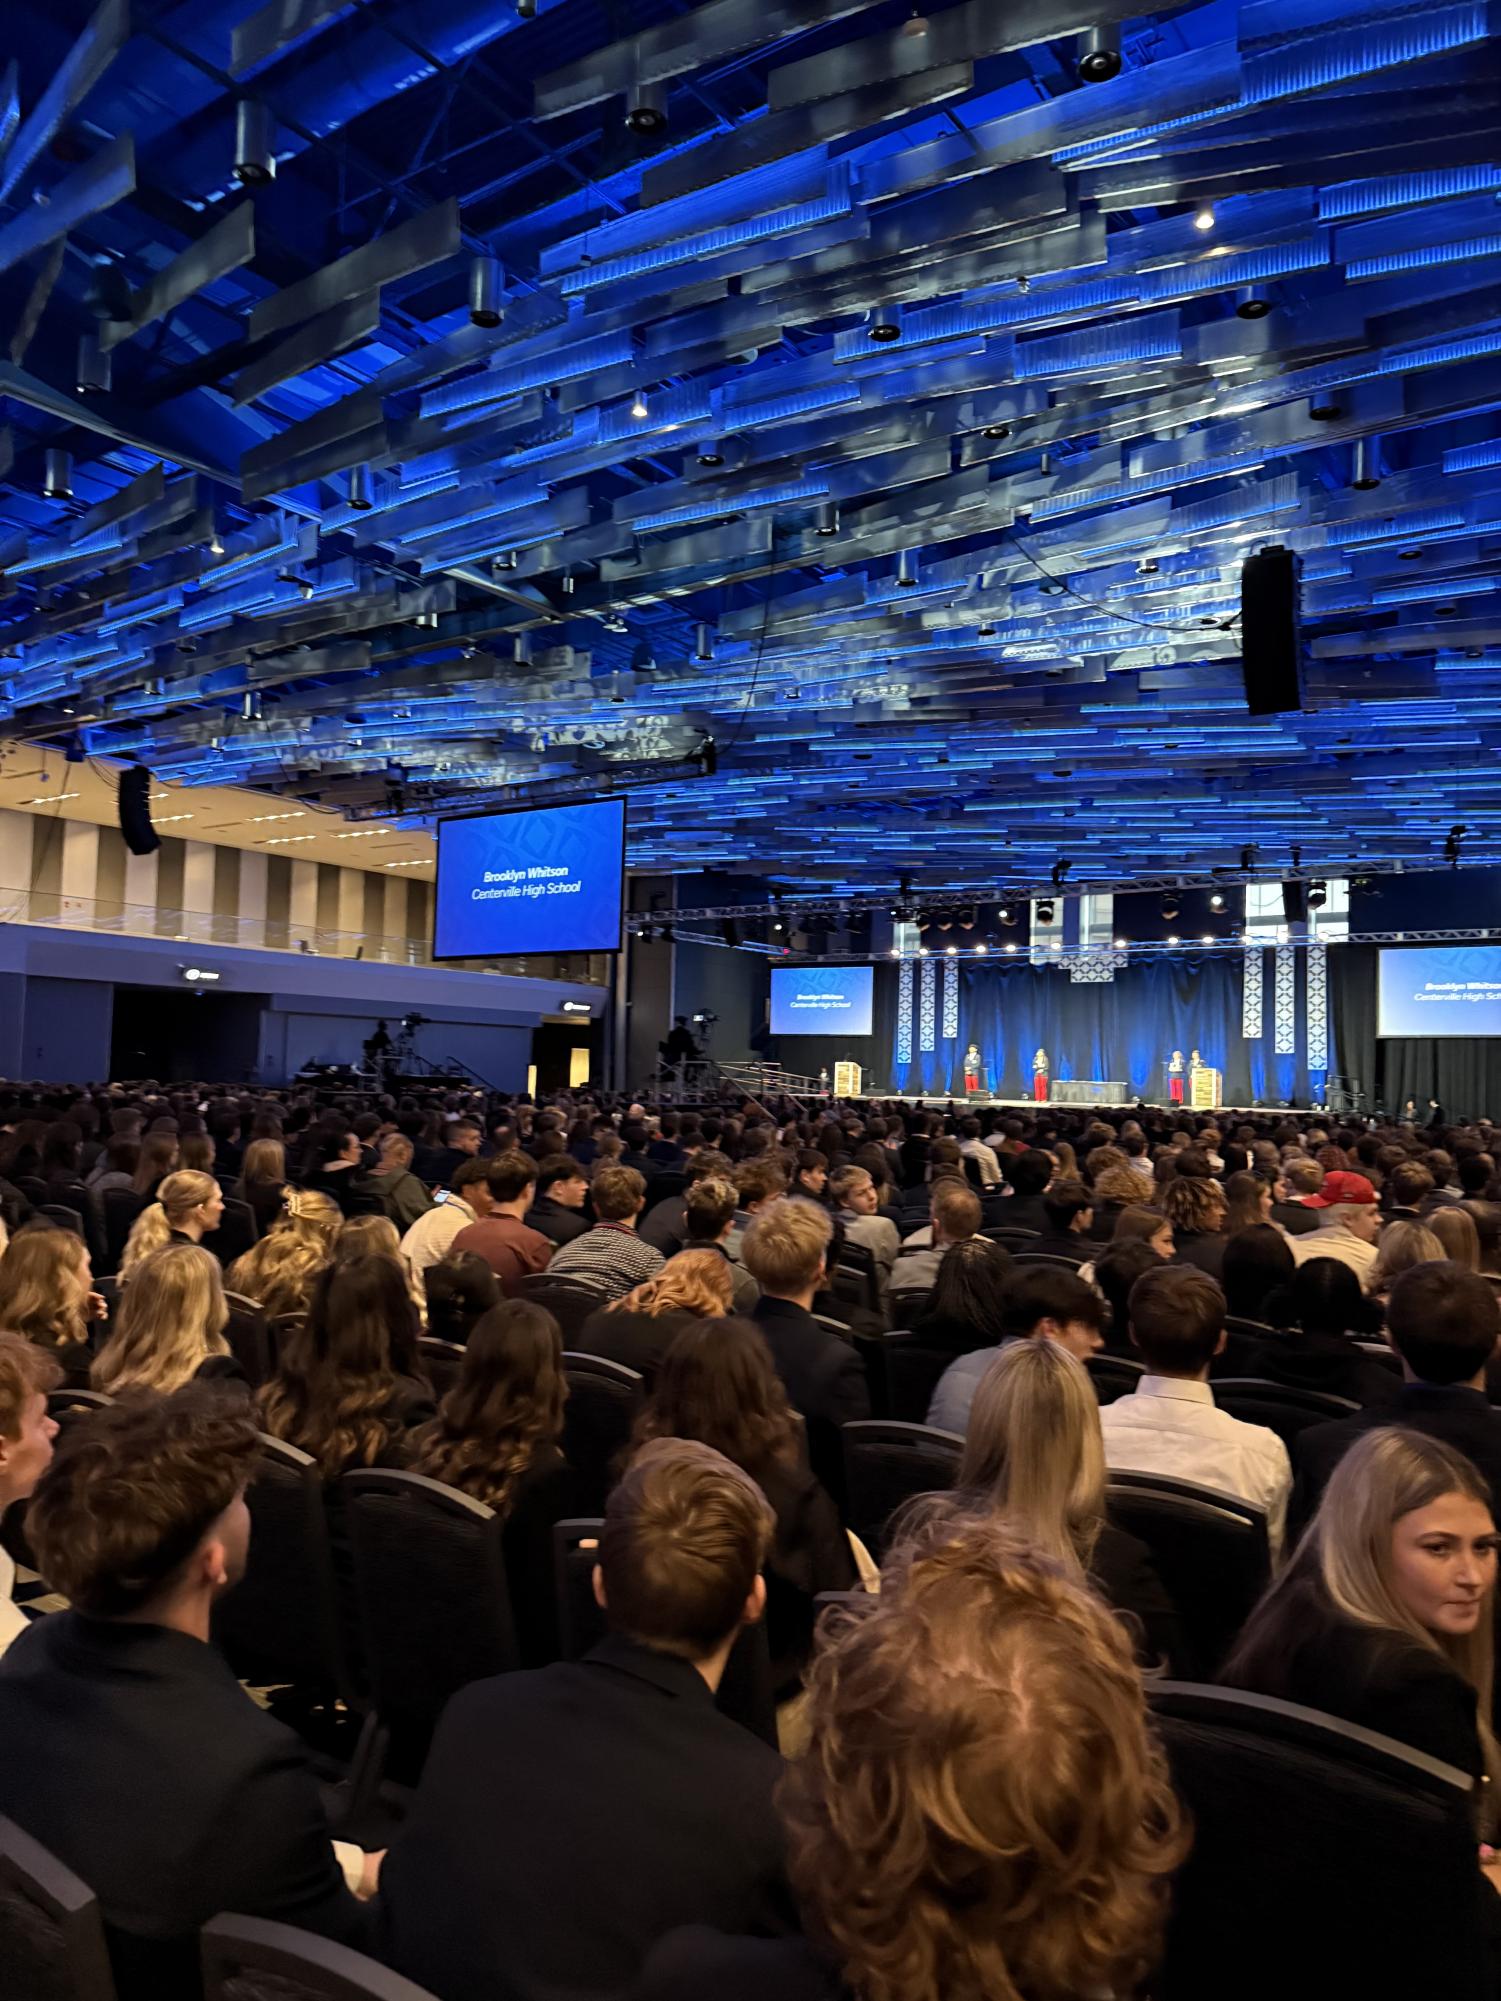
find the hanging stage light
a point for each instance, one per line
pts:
(646, 109)
(1045, 913)
(255, 150)
(486, 291)
(1099, 57)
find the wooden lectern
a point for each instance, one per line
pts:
(1207, 1089)
(846, 1080)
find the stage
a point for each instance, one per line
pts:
(979, 1103)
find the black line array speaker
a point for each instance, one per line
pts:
(1271, 651)
(1295, 902)
(135, 811)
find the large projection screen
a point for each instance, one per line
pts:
(542, 879)
(1439, 990)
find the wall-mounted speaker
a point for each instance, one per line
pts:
(1295, 902)
(1271, 651)
(135, 811)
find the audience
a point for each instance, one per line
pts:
(189, 1204)
(1324, 1307)
(639, 1328)
(1458, 1238)
(277, 1273)
(1349, 1224)
(497, 1435)
(47, 1294)
(1034, 1456)
(562, 1191)
(614, 1773)
(1170, 1423)
(391, 1181)
(610, 1259)
(335, 1167)
(1042, 1303)
(858, 1205)
(27, 1373)
(1403, 1244)
(717, 1384)
(263, 1180)
(966, 1307)
(465, 1200)
(665, 1226)
(954, 1218)
(983, 1812)
(1195, 1207)
(1256, 1271)
(1301, 1181)
(169, 1327)
(1027, 1174)
(131, 1752)
(711, 1209)
(1068, 1216)
(1113, 1275)
(459, 1290)
(511, 1249)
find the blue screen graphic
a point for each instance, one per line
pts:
(1440, 990)
(821, 1000)
(545, 880)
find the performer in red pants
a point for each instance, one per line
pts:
(972, 1068)
(1175, 1077)
(1040, 1076)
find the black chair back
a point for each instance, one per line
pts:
(855, 1278)
(433, 1604)
(603, 1399)
(121, 1207)
(1209, 1549)
(570, 1305)
(64, 1217)
(237, 1231)
(1050, 1261)
(1275, 1790)
(52, 1941)
(255, 1959)
(279, 1627)
(442, 1360)
(1114, 1376)
(249, 1336)
(1282, 1409)
(911, 1370)
(887, 1463)
(1011, 1240)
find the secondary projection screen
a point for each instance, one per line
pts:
(544, 879)
(821, 1000)
(1439, 990)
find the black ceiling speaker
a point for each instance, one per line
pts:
(1271, 658)
(135, 811)
(1295, 902)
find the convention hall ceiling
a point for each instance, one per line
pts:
(885, 399)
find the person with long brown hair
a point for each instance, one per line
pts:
(157, 1159)
(717, 1383)
(47, 1293)
(169, 1326)
(983, 1812)
(638, 1328)
(263, 1180)
(347, 1386)
(498, 1436)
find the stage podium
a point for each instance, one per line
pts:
(1206, 1089)
(847, 1080)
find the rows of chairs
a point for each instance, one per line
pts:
(1326, 1859)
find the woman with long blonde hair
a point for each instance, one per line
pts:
(1386, 1613)
(640, 1327)
(1402, 1245)
(377, 1237)
(263, 1180)
(169, 1326)
(47, 1293)
(278, 1272)
(188, 1205)
(1035, 1455)
(1455, 1230)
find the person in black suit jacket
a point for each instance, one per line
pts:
(562, 1191)
(934, 1824)
(1444, 1323)
(785, 1250)
(1027, 1175)
(570, 1817)
(131, 1752)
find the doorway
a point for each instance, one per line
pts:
(177, 1034)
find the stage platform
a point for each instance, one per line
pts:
(980, 1103)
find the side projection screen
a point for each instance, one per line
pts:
(545, 879)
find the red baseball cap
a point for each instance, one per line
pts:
(1340, 1188)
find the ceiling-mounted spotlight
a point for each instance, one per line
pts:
(915, 26)
(361, 489)
(885, 323)
(711, 455)
(1323, 406)
(250, 706)
(1099, 56)
(95, 366)
(986, 630)
(1254, 303)
(1204, 216)
(1008, 914)
(906, 570)
(215, 543)
(521, 649)
(1217, 901)
(703, 644)
(996, 431)
(638, 404)
(1318, 895)
(1366, 472)
(969, 917)
(1045, 913)
(486, 291)
(255, 149)
(57, 474)
(646, 109)
(1148, 567)
(527, 9)
(826, 520)
(1170, 907)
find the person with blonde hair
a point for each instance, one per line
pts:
(1035, 1456)
(278, 1272)
(47, 1294)
(983, 1813)
(188, 1205)
(1402, 1246)
(263, 1180)
(27, 1373)
(642, 1325)
(1458, 1238)
(169, 1326)
(1386, 1613)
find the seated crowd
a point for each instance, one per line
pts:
(967, 1795)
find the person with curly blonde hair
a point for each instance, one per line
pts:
(639, 1327)
(279, 1271)
(983, 1812)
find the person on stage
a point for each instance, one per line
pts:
(1175, 1077)
(972, 1068)
(1040, 1068)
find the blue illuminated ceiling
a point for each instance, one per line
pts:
(898, 416)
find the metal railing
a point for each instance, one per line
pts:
(265, 934)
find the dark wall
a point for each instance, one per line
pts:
(1435, 900)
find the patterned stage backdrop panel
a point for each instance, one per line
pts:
(1284, 1002)
(1316, 1002)
(927, 1020)
(950, 999)
(1251, 990)
(904, 1020)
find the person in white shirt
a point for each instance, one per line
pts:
(858, 1204)
(27, 1372)
(1171, 1425)
(1349, 1224)
(974, 1148)
(467, 1199)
